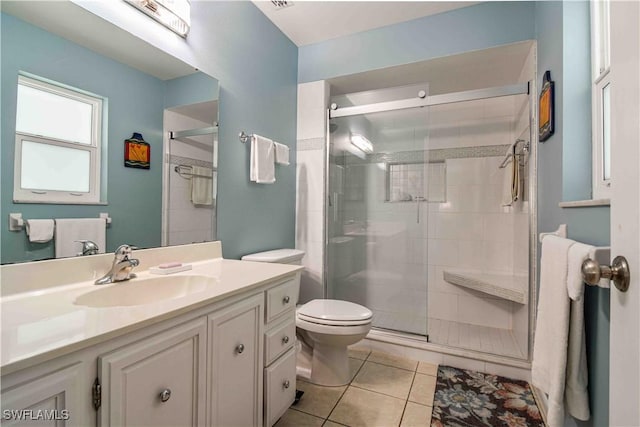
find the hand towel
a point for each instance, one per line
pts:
(68, 230)
(201, 185)
(576, 393)
(262, 160)
(40, 230)
(548, 368)
(282, 154)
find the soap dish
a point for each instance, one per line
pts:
(170, 270)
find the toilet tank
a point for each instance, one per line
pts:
(280, 256)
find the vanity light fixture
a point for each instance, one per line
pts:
(173, 14)
(362, 143)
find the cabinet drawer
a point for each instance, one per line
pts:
(280, 387)
(278, 340)
(281, 298)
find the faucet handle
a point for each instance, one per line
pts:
(88, 247)
(123, 252)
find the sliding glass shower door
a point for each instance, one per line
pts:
(380, 183)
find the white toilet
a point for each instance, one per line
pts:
(324, 329)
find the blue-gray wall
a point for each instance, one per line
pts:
(564, 172)
(461, 30)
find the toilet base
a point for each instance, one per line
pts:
(330, 365)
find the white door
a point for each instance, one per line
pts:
(624, 400)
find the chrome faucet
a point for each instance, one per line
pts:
(121, 267)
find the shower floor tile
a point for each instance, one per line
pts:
(474, 337)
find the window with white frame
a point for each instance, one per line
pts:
(58, 143)
(601, 99)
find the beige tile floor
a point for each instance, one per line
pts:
(385, 391)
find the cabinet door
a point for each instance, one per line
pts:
(159, 381)
(52, 400)
(235, 365)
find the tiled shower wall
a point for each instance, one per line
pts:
(310, 176)
(469, 230)
(472, 230)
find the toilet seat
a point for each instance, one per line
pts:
(322, 328)
(334, 313)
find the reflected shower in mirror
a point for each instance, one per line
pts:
(144, 91)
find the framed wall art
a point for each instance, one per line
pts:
(137, 152)
(546, 105)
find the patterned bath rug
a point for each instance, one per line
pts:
(469, 398)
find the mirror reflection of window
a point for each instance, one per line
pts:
(58, 139)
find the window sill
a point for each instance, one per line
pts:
(585, 203)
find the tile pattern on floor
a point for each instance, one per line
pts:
(385, 390)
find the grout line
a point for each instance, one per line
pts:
(383, 394)
(392, 366)
(407, 400)
(345, 390)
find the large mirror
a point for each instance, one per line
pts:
(149, 158)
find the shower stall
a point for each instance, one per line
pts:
(429, 215)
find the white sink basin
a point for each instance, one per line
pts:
(141, 291)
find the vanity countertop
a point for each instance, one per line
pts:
(39, 325)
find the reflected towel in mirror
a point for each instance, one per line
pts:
(201, 185)
(39, 230)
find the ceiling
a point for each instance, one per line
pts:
(307, 22)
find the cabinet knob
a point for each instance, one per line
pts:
(286, 300)
(165, 395)
(286, 384)
(285, 339)
(240, 348)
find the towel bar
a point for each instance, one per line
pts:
(244, 137)
(17, 223)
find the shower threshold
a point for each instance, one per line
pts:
(486, 339)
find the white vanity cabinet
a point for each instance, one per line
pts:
(203, 366)
(235, 365)
(159, 381)
(53, 399)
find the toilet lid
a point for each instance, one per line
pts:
(332, 310)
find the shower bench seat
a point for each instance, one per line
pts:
(506, 286)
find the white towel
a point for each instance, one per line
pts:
(72, 229)
(40, 230)
(282, 154)
(576, 393)
(578, 253)
(262, 167)
(201, 185)
(548, 368)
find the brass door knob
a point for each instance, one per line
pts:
(618, 272)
